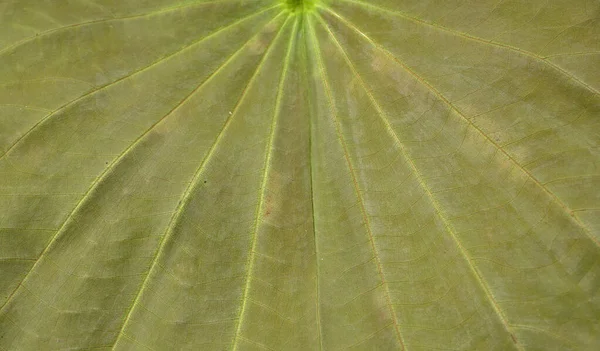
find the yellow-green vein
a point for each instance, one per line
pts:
(440, 96)
(106, 173)
(356, 187)
(312, 177)
(195, 179)
(261, 193)
(478, 39)
(130, 75)
(103, 20)
(424, 186)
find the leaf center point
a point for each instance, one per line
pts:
(298, 6)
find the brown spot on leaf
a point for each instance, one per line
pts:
(268, 206)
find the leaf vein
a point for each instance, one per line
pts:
(432, 199)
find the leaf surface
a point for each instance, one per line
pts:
(299, 175)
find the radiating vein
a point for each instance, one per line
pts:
(136, 302)
(312, 190)
(130, 75)
(104, 20)
(478, 39)
(568, 211)
(423, 185)
(356, 188)
(108, 171)
(259, 208)
(187, 195)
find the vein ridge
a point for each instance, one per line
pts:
(342, 142)
(187, 195)
(92, 187)
(259, 206)
(103, 20)
(440, 96)
(132, 74)
(423, 185)
(312, 194)
(479, 39)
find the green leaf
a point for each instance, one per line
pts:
(299, 175)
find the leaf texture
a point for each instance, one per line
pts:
(299, 175)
